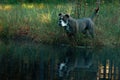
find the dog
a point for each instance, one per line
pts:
(73, 26)
(75, 59)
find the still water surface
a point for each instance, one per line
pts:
(29, 61)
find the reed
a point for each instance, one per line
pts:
(38, 22)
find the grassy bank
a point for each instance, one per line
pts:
(38, 23)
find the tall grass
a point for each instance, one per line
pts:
(108, 24)
(38, 22)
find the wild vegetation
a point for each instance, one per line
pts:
(37, 22)
(25, 23)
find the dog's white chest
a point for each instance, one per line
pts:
(63, 23)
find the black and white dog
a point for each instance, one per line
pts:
(73, 26)
(74, 59)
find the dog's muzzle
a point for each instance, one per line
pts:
(62, 23)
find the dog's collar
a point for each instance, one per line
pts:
(67, 28)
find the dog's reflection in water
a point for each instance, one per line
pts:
(74, 59)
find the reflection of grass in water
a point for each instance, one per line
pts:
(39, 22)
(25, 59)
(22, 60)
(18, 61)
(26, 52)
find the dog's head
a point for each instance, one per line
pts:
(63, 19)
(62, 70)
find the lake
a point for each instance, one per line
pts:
(32, 61)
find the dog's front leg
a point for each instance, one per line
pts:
(72, 39)
(85, 33)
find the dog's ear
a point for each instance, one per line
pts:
(59, 14)
(67, 15)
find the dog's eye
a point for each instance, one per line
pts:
(59, 18)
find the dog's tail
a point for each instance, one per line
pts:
(95, 13)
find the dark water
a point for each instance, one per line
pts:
(29, 61)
